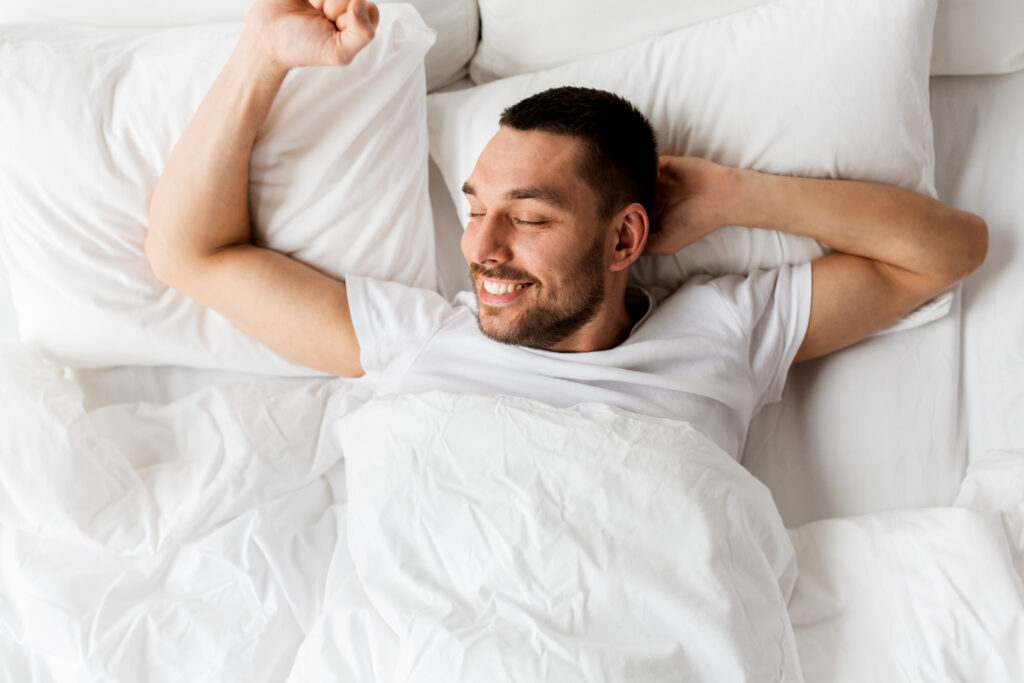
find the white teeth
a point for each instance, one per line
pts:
(500, 288)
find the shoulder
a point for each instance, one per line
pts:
(735, 301)
(761, 292)
(391, 310)
(383, 296)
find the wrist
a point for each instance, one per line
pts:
(255, 56)
(746, 192)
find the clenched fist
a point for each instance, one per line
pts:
(294, 33)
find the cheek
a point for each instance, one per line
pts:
(464, 243)
(564, 265)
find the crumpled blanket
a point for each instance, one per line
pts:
(295, 530)
(291, 530)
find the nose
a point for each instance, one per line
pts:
(485, 241)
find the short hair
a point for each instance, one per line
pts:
(620, 158)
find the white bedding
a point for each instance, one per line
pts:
(933, 594)
(171, 523)
(980, 140)
(882, 425)
(225, 536)
(484, 533)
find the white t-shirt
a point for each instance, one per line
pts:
(711, 353)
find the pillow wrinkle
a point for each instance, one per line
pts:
(91, 116)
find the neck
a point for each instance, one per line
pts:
(608, 329)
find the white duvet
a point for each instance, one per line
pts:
(290, 530)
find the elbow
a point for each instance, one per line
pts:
(976, 246)
(966, 254)
(164, 264)
(155, 255)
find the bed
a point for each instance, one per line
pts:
(179, 503)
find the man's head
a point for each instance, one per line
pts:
(559, 204)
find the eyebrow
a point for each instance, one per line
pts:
(538, 192)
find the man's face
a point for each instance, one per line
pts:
(535, 244)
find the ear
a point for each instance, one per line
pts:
(632, 227)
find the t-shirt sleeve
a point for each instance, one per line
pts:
(393, 322)
(773, 308)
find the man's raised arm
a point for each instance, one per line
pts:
(200, 234)
(894, 249)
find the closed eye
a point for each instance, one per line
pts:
(517, 221)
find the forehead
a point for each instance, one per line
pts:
(516, 158)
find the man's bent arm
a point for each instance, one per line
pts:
(199, 238)
(895, 249)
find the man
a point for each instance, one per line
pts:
(561, 203)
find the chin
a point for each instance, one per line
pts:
(496, 329)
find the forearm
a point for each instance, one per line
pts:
(200, 204)
(881, 222)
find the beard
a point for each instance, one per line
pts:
(563, 312)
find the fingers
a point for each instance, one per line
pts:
(355, 29)
(366, 12)
(334, 10)
(657, 244)
(374, 14)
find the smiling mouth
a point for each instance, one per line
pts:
(501, 291)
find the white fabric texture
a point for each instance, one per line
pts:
(522, 36)
(457, 22)
(8, 321)
(501, 539)
(186, 541)
(918, 595)
(225, 556)
(978, 37)
(873, 427)
(893, 422)
(711, 353)
(210, 538)
(90, 117)
(981, 142)
(822, 106)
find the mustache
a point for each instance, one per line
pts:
(501, 273)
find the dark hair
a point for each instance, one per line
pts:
(620, 158)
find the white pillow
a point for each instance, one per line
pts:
(521, 36)
(339, 180)
(457, 22)
(822, 88)
(504, 539)
(978, 37)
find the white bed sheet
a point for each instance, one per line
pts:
(906, 596)
(892, 422)
(211, 539)
(8, 320)
(979, 128)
